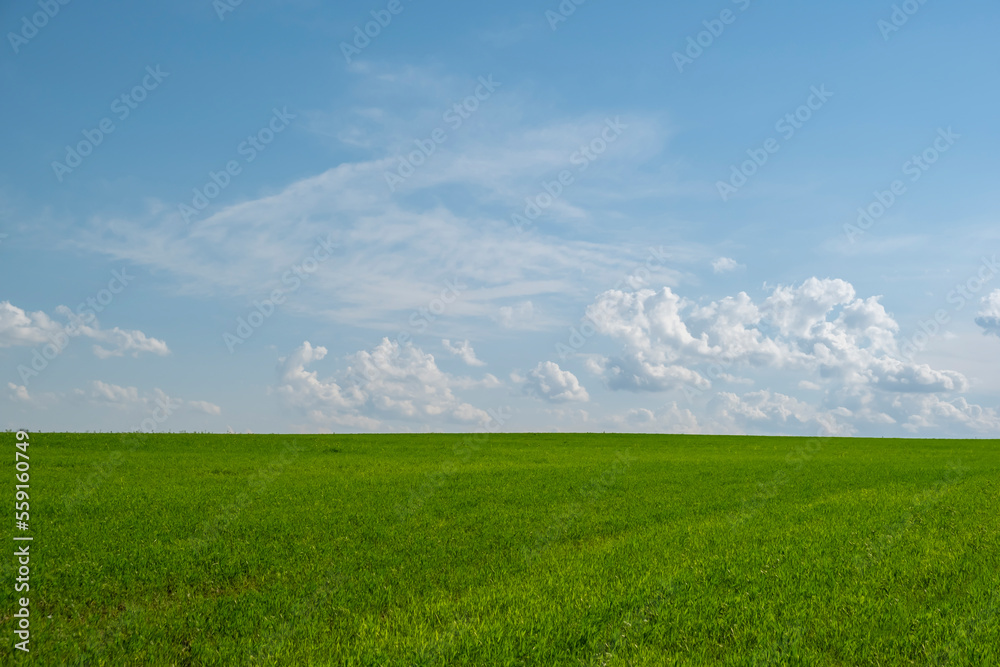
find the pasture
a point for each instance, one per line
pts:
(509, 549)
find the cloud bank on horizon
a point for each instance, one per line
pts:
(474, 224)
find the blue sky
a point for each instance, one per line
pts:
(519, 216)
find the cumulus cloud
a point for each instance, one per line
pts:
(725, 265)
(818, 336)
(18, 327)
(845, 413)
(391, 381)
(934, 412)
(766, 411)
(21, 328)
(464, 352)
(323, 400)
(655, 337)
(800, 311)
(817, 329)
(989, 313)
(551, 383)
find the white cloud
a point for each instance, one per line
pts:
(725, 265)
(123, 342)
(322, 400)
(112, 395)
(669, 419)
(818, 336)
(391, 381)
(655, 339)
(562, 418)
(517, 316)
(131, 398)
(989, 313)
(206, 407)
(797, 311)
(933, 412)
(464, 352)
(817, 328)
(130, 408)
(553, 384)
(21, 328)
(768, 412)
(18, 393)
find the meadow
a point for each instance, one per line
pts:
(508, 549)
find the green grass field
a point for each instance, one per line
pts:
(519, 549)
